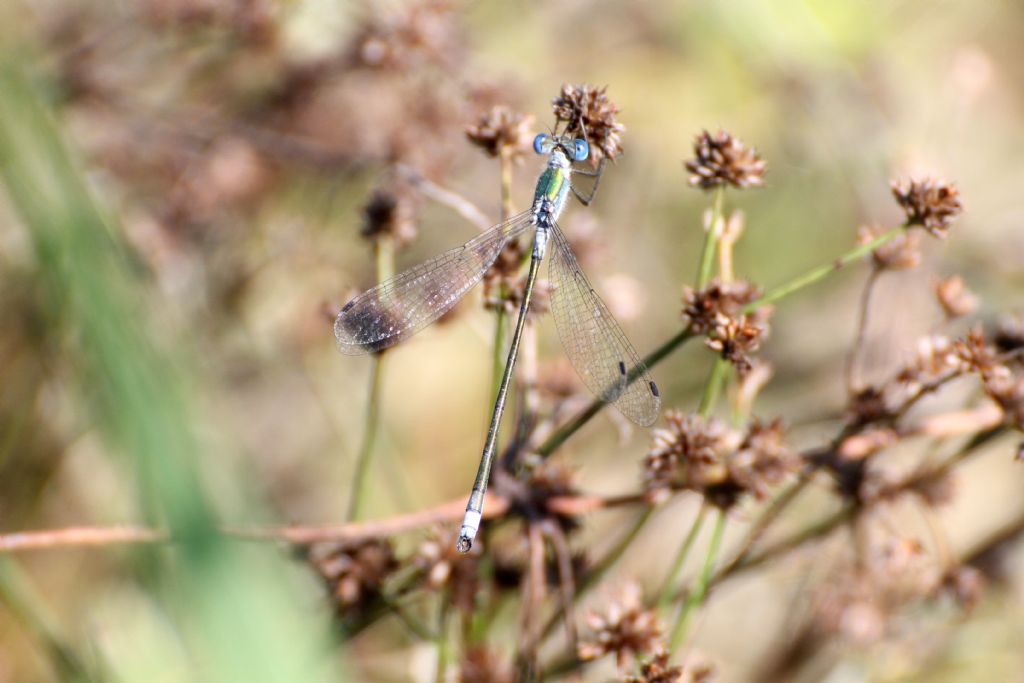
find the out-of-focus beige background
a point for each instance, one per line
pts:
(235, 172)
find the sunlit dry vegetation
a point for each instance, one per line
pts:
(808, 224)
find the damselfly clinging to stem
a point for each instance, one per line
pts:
(594, 342)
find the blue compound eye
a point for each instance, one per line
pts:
(582, 150)
(542, 143)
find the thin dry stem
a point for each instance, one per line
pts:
(854, 382)
(566, 583)
(453, 200)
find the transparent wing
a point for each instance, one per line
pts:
(402, 306)
(594, 342)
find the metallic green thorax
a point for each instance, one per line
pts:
(553, 186)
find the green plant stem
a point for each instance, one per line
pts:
(707, 254)
(370, 428)
(821, 272)
(713, 387)
(853, 359)
(652, 359)
(696, 597)
(770, 514)
(665, 598)
(384, 255)
(613, 555)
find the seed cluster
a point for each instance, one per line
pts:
(587, 112)
(626, 629)
(720, 159)
(932, 204)
(704, 455)
(500, 131)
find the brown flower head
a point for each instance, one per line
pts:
(736, 338)
(763, 460)
(483, 665)
(980, 357)
(721, 159)
(691, 453)
(899, 253)
(627, 629)
(390, 212)
(660, 670)
(932, 204)
(954, 297)
(442, 566)
(420, 32)
(354, 572)
(657, 670)
(587, 111)
(500, 131)
(935, 357)
(702, 308)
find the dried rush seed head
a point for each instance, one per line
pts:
(421, 32)
(722, 159)
(704, 455)
(587, 112)
(626, 629)
(354, 572)
(932, 204)
(390, 212)
(735, 338)
(502, 132)
(702, 308)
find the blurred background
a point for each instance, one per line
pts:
(167, 290)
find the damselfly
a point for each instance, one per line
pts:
(596, 345)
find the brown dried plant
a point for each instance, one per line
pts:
(402, 84)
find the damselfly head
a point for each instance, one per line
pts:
(575, 150)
